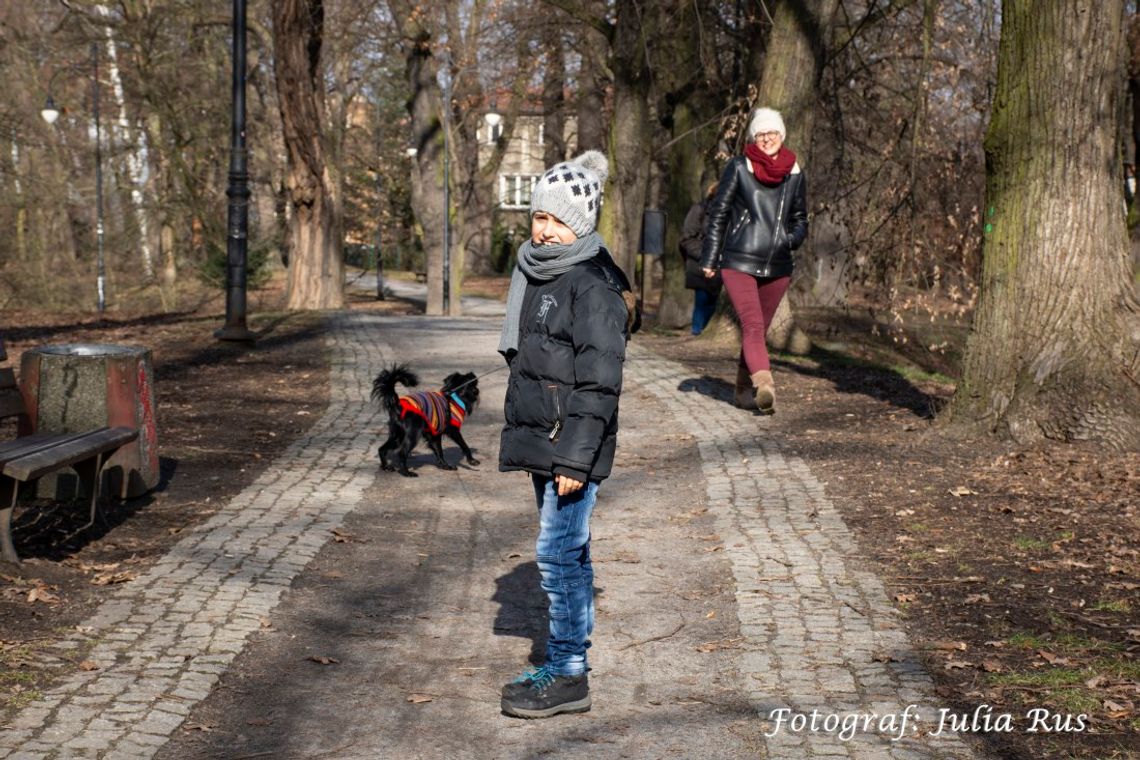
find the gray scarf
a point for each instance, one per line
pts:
(542, 263)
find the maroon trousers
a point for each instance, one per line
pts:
(755, 300)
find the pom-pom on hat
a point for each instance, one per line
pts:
(766, 120)
(572, 191)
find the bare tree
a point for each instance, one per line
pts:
(1054, 351)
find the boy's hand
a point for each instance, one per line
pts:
(708, 272)
(567, 485)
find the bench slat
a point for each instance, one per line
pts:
(30, 444)
(85, 446)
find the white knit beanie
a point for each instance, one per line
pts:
(766, 120)
(572, 191)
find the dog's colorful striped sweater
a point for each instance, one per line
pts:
(434, 408)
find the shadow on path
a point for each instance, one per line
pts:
(523, 609)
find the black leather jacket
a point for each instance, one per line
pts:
(752, 227)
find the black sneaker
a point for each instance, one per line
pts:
(541, 694)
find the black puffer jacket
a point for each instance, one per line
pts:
(752, 227)
(562, 395)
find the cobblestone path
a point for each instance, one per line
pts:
(820, 632)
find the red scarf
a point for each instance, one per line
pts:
(770, 170)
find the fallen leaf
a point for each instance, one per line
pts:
(265, 622)
(957, 664)
(88, 665)
(324, 660)
(1053, 659)
(949, 646)
(109, 579)
(41, 594)
(962, 491)
(1117, 710)
(711, 615)
(416, 699)
(197, 727)
(342, 537)
(905, 598)
(1094, 682)
(976, 598)
(991, 666)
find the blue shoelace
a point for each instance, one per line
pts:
(539, 677)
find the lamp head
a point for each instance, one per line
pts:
(49, 112)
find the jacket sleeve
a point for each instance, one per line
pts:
(797, 215)
(718, 217)
(599, 337)
(691, 232)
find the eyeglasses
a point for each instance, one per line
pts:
(767, 135)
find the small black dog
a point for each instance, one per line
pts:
(431, 414)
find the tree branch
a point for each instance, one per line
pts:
(577, 12)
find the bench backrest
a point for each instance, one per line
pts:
(11, 401)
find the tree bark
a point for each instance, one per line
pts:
(630, 138)
(316, 264)
(1055, 347)
(792, 68)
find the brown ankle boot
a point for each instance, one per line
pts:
(765, 391)
(743, 394)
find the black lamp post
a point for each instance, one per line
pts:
(50, 113)
(237, 238)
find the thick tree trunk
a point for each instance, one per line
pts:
(793, 63)
(630, 139)
(316, 264)
(1054, 351)
(591, 111)
(685, 187)
(553, 98)
(792, 68)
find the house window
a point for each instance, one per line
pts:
(494, 132)
(515, 190)
(541, 134)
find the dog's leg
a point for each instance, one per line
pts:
(435, 443)
(394, 436)
(457, 436)
(410, 439)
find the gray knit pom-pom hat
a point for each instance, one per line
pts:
(572, 191)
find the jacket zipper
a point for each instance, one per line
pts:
(557, 413)
(778, 226)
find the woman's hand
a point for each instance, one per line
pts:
(708, 272)
(567, 485)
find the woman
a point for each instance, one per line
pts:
(756, 220)
(569, 314)
(705, 291)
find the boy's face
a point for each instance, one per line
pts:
(547, 229)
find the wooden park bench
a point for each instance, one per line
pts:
(30, 457)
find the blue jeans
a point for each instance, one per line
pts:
(563, 553)
(704, 306)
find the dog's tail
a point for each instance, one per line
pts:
(384, 386)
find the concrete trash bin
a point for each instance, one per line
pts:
(76, 387)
